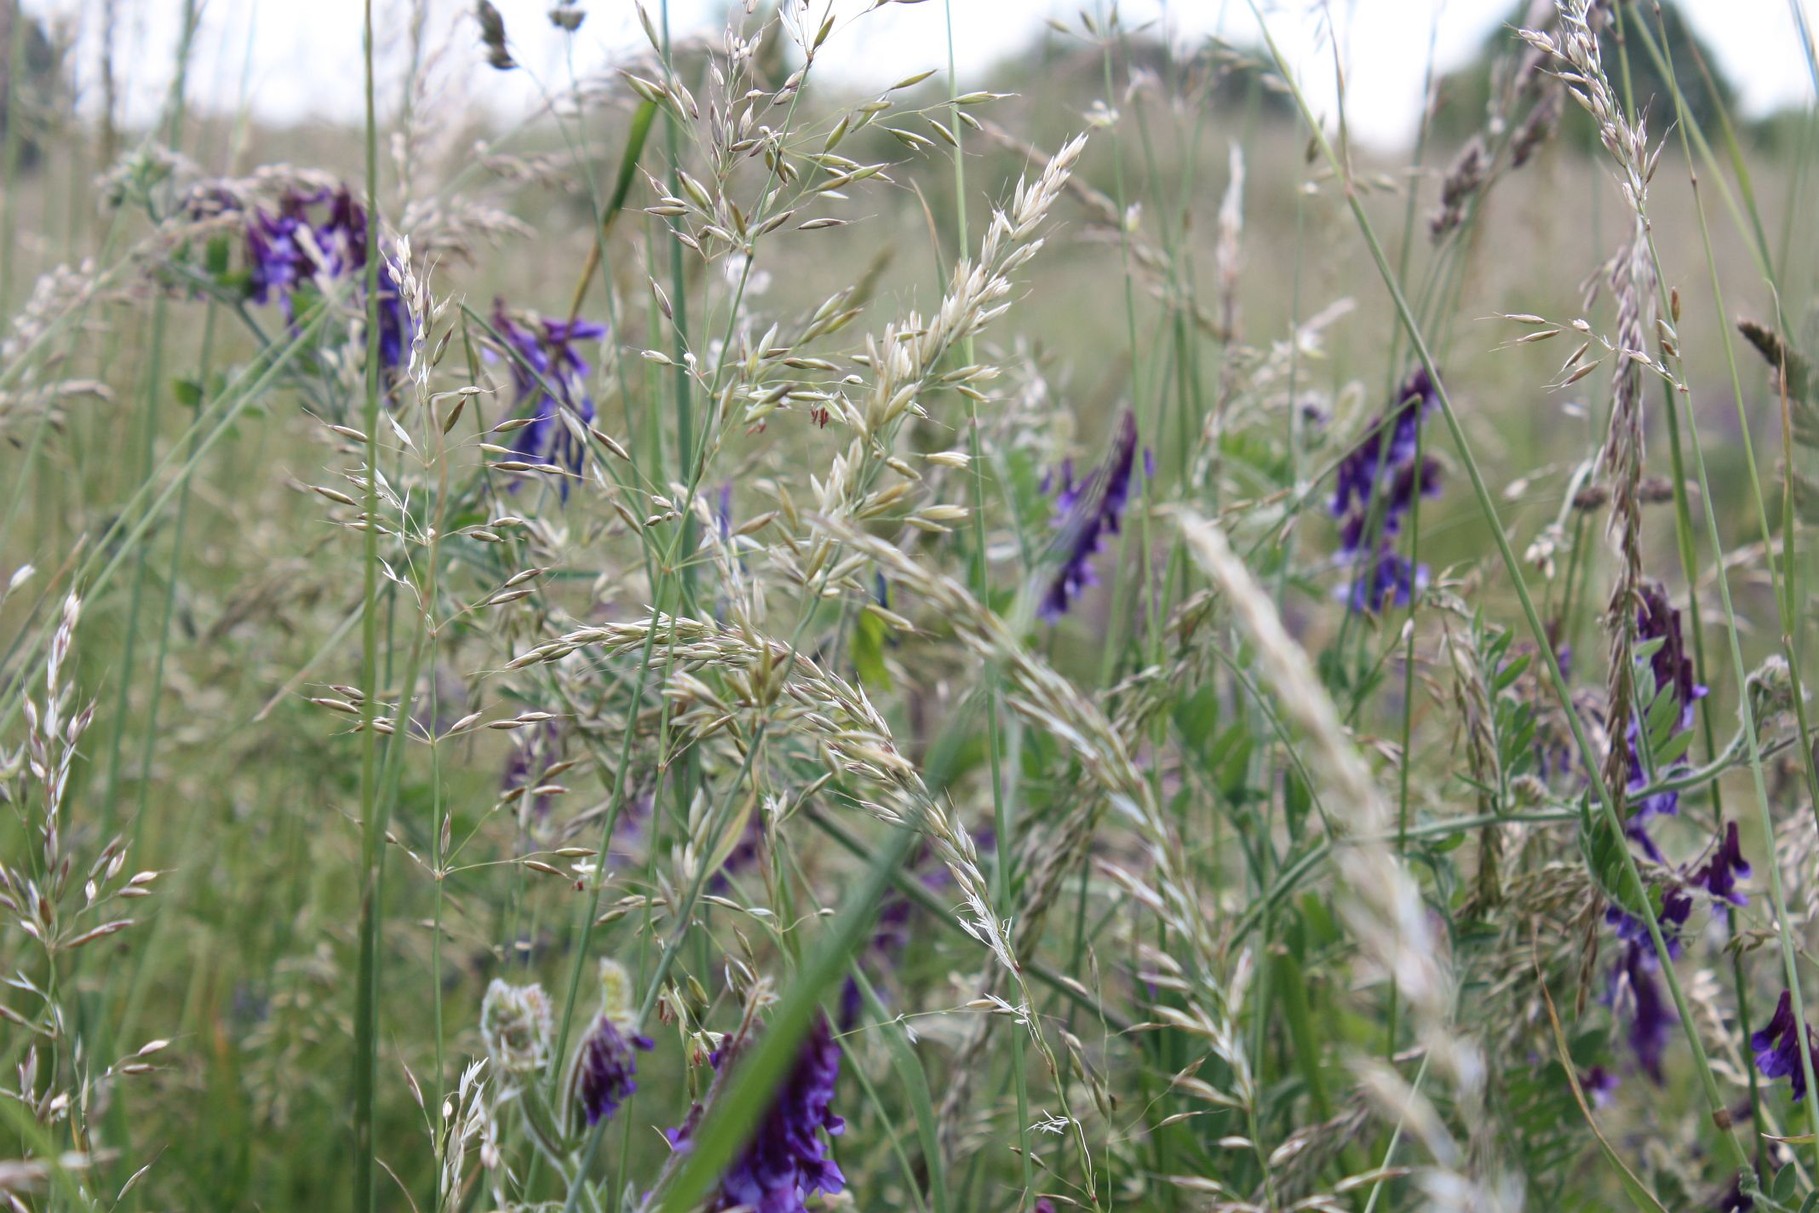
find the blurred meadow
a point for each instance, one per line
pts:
(1080, 640)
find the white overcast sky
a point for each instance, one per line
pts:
(297, 59)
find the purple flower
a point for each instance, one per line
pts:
(1600, 1084)
(1384, 462)
(1777, 1047)
(1375, 487)
(1676, 908)
(550, 375)
(1672, 667)
(605, 1071)
(1672, 670)
(1384, 580)
(1085, 513)
(285, 250)
(1720, 874)
(723, 511)
(787, 1160)
(1652, 1019)
(396, 329)
(276, 261)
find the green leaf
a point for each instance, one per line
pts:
(1297, 799)
(1781, 1189)
(1197, 715)
(1447, 842)
(867, 650)
(1663, 719)
(1673, 749)
(1234, 762)
(1605, 850)
(1509, 673)
(216, 259)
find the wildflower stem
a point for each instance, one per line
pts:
(685, 422)
(1002, 824)
(372, 852)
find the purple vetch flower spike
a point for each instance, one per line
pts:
(275, 261)
(528, 361)
(787, 1160)
(397, 329)
(892, 936)
(550, 376)
(1404, 482)
(1085, 512)
(1777, 1047)
(1386, 580)
(1721, 872)
(1375, 488)
(1672, 665)
(1385, 460)
(287, 249)
(886, 948)
(605, 1072)
(343, 237)
(1676, 908)
(1652, 1021)
(1673, 673)
(852, 1001)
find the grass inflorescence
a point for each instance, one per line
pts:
(1076, 640)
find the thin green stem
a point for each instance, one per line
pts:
(372, 850)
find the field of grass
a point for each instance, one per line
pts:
(1088, 645)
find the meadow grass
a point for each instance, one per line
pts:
(1088, 645)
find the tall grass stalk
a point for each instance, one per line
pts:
(373, 807)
